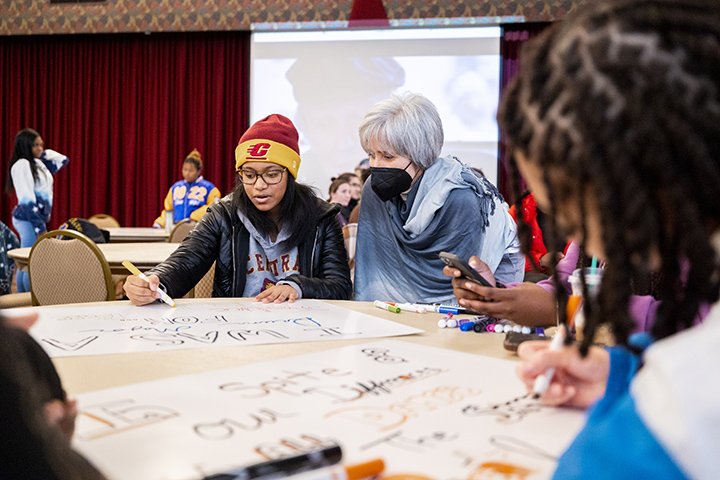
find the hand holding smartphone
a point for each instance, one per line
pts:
(452, 260)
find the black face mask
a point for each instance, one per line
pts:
(388, 183)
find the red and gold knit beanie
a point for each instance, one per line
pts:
(273, 139)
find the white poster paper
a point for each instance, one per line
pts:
(423, 410)
(113, 328)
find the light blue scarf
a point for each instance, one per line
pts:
(448, 209)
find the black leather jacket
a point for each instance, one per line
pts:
(220, 236)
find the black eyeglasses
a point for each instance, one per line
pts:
(270, 177)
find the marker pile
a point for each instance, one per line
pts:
(485, 324)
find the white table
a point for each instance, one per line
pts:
(145, 255)
(137, 234)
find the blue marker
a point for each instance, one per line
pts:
(443, 309)
(467, 326)
(440, 308)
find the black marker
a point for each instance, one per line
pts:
(284, 467)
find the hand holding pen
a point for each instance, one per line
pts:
(576, 381)
(142, 289)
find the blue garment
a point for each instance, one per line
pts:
(35, 195)
(269, 262)
(28, 235)
(35, 200)
(189, 200)
(616, 442)
(449, 208)
(8, 241)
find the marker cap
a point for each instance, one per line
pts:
(466, 327)
(365, 470)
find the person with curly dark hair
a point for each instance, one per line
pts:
(615, 126)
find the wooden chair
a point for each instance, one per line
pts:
(350, 235)
(181, 230)
(204, 287)
(103, 220)
(68, 271)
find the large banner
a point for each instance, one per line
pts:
(123, 328)
(423, 410)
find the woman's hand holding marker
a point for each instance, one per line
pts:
(141, 289)
(577, 382)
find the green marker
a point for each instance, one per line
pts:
(386, 306)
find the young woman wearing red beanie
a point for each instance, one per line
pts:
(272, 238)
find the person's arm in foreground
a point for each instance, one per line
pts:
(182, 270)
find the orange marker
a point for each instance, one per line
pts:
(574, 303)
(359, 471)
(372, 468)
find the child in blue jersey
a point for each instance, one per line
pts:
(614, 123)
(191, 196)
(31, 177)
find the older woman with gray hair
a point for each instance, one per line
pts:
(417, 204)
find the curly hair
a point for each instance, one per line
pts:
(623, 99)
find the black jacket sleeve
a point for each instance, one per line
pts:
(190, 262)
(330, 278)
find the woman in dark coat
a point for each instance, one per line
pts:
(272, 238)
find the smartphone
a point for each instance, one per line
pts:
(514, 339)
(452, 260)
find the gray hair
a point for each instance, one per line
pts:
(407, 124)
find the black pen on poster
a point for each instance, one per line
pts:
(283, 467)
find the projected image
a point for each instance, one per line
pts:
(326, 82)
(330, 108)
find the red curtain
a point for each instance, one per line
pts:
(126, 109)
(512, 40)
(368, 13)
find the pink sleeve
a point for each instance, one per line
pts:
(563, 269)
(643, 309)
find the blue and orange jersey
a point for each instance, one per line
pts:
(189, 200)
